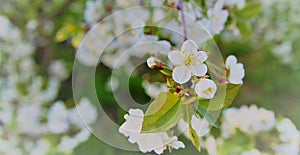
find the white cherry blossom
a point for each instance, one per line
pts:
(206, 88)
(188, 62)
(147, 142)
(235, 70)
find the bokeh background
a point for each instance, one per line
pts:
(270, 56)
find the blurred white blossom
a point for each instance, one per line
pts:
(260, 120)
(211, 146)
(58, 69)
(290, 137)
(28, 119)
(40, 147)
(58, 118)
(277, 27)
(239, 3)
(154, 89)
(68, 143)
(217, 17)
(93, 11)
(24, 95)
(258, 126)
(84, 114)
(252, 152)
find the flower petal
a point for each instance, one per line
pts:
(181, 74)
(176, 57)
(231, 60)
(133, 125)
(236, 70)
(151, 62)
(201, 126)
(237, 73)
(177, 145)
(219, 5)
(200, 56)
(199, 69)
(151, 142)
(189, 47)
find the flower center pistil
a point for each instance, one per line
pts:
(188, 59)
(208, 91)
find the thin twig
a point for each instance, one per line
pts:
(190, 100)
(181, 8)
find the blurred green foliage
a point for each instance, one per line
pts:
(268, 83)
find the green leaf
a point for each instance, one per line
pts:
(252, 9)
(201, 4)
(244, 28)
(166, 72)
(65, 32)
(194, 138)
(162, 114)
(223, 98)
(231, 91)
(208, 116)
(151, 30)
(188, 111)
(77, 39)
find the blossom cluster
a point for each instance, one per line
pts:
(28, 107)
(283, 34)
(35, 119)
(190, 62)
(147, 142)
(126, 29)
(187, 65)
(261, 134)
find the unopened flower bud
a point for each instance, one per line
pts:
(155, 63)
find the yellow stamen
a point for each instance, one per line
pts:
(208, 91)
